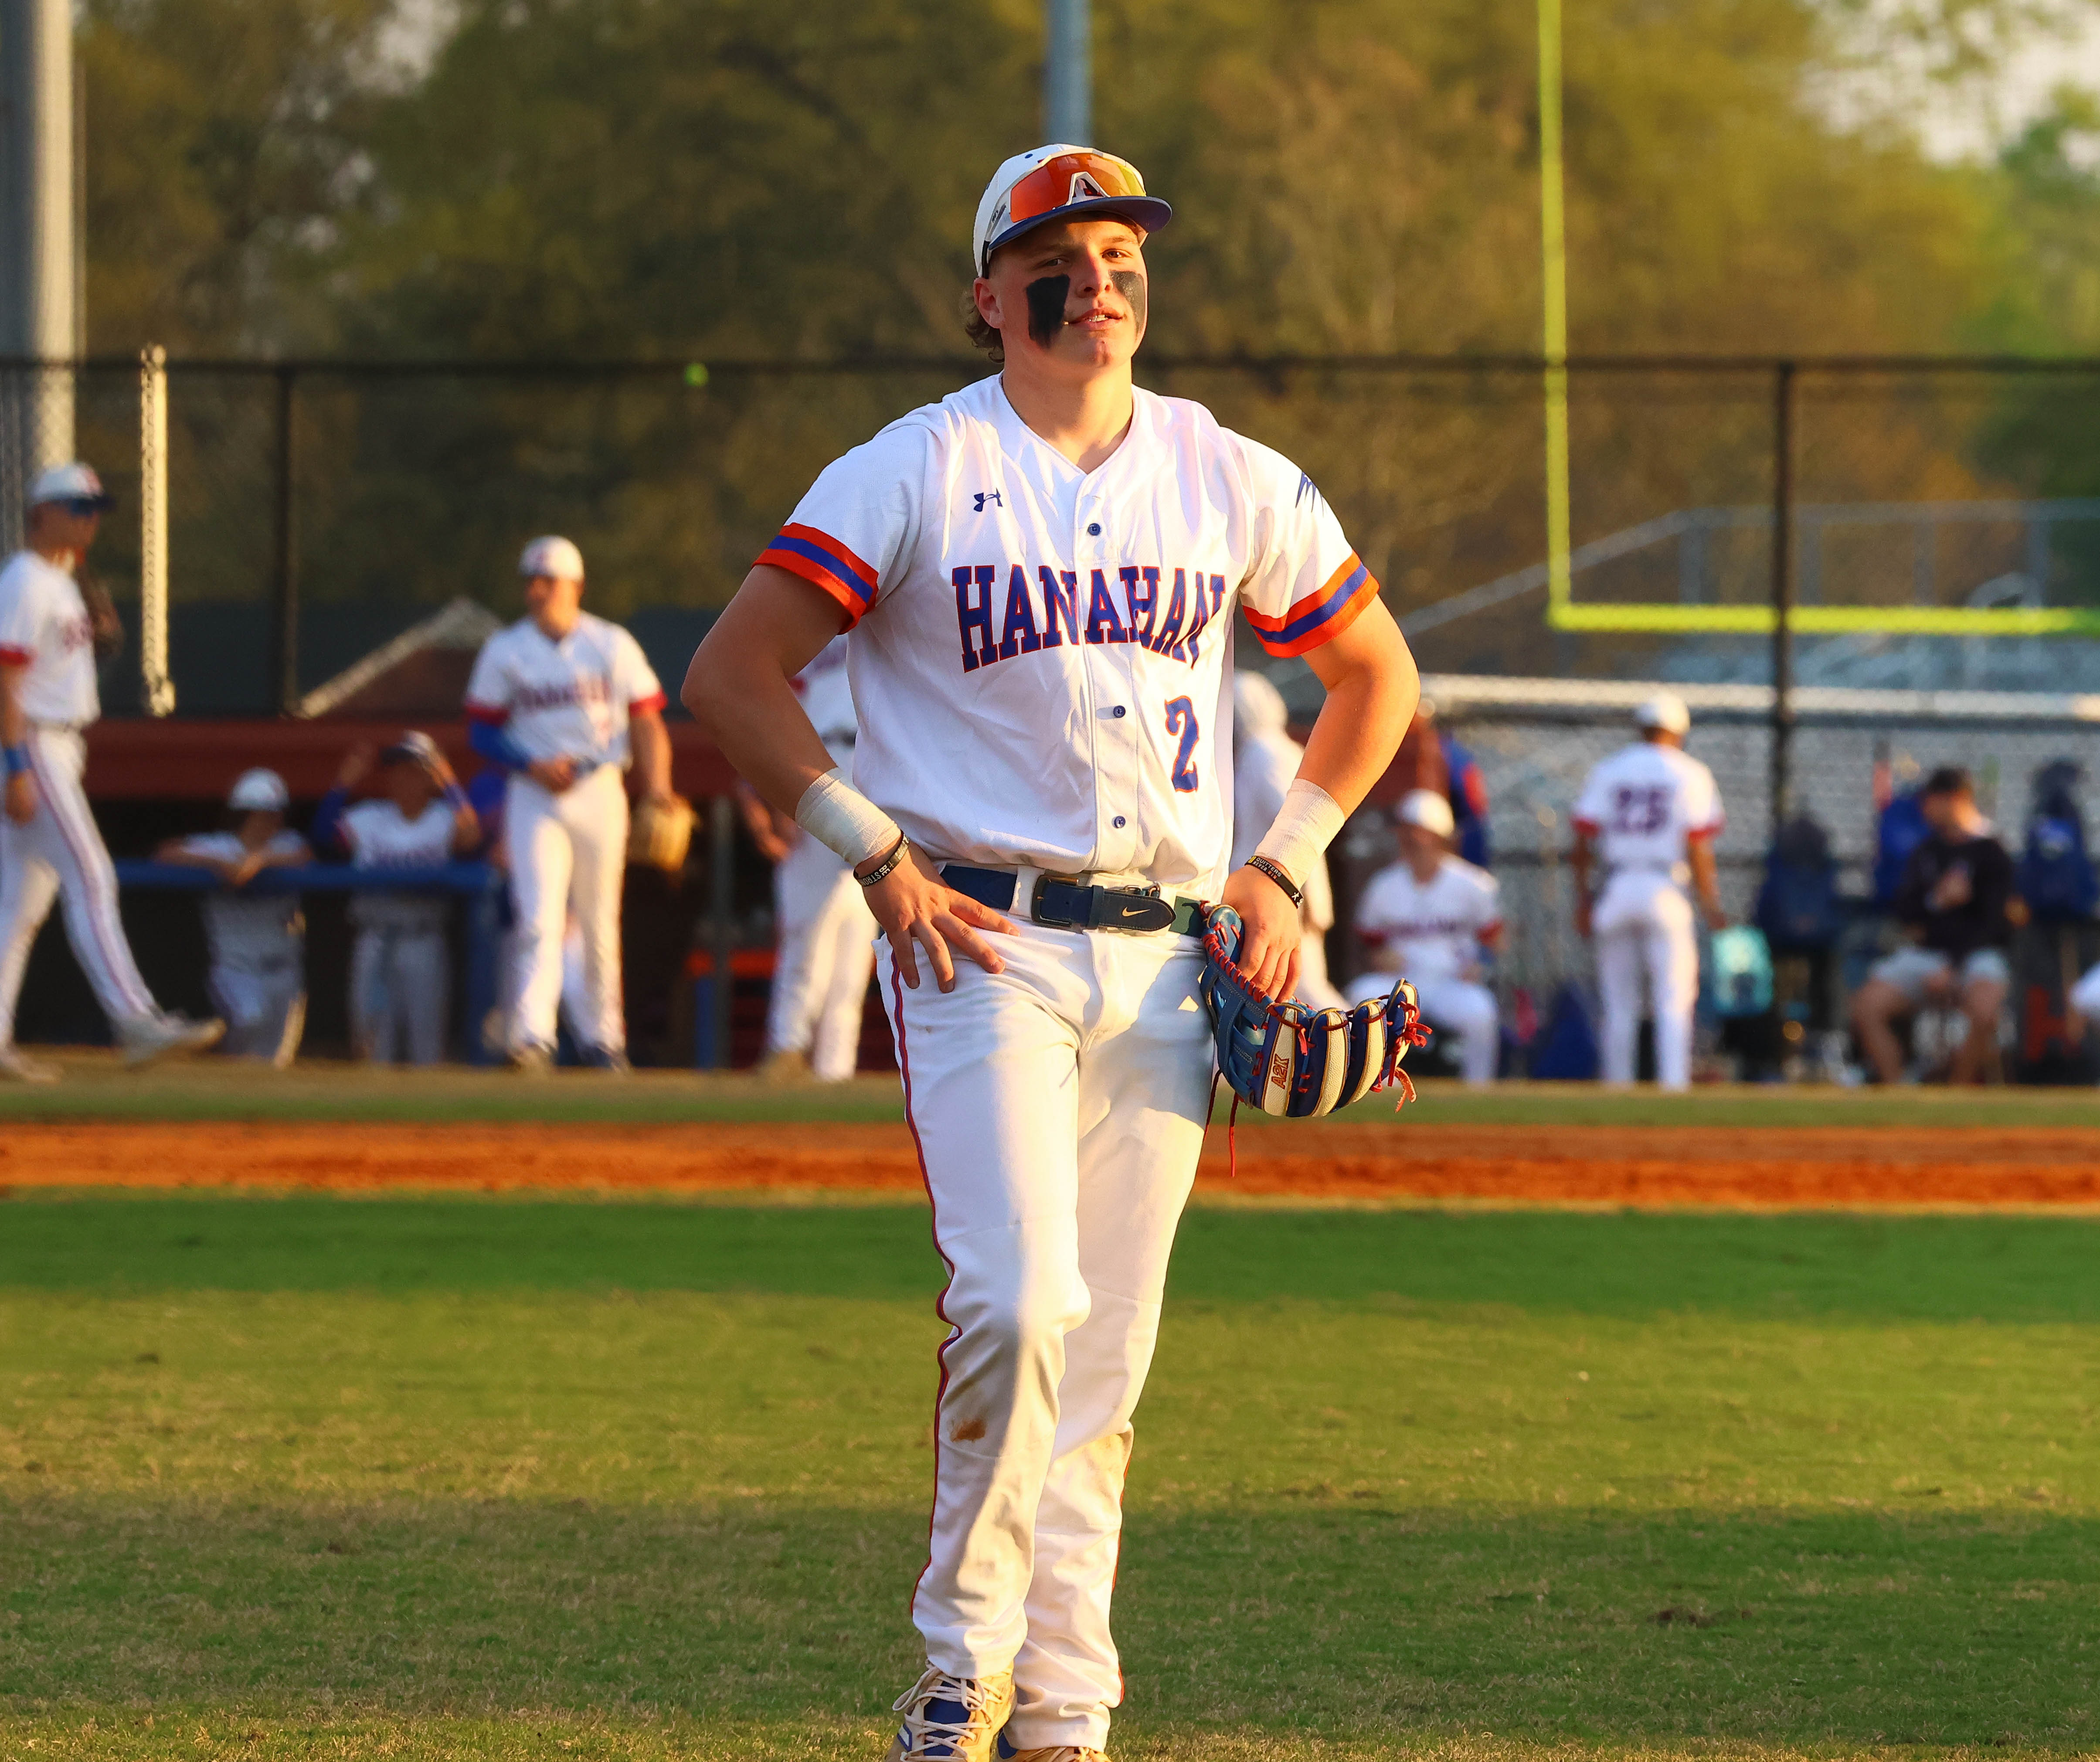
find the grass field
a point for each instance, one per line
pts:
(209, 1090)
(492, 1478)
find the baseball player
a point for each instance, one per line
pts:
(257, 941)
(565, 699)
(1432, 916)
(400, 964)
(1265, 760)
(1040, 574)
(1649, 814)
(49, 846)
(826, 933)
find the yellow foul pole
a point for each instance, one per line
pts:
(1554, 244)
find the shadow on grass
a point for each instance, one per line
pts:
(1354, 1621)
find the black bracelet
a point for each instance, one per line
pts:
(1277, 874)
(882, 869)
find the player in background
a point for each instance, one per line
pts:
(49, 846)
(1265, 761)
(1433, 917)
(257, 941)
(1649, 815)
(567, 701)
(400, 964)
(825, 933)
(1040, 573)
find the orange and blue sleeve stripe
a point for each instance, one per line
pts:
(1319, 617)
(821, 559)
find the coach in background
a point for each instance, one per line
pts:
(400, 964)
(257, 940)
(1955, 903)
(1265, 761)
(1650, 813)
(50, 633)
(564, 701)
(1433, 918)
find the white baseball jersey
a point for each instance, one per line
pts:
(826, 696)
(1433, 927)
(246, 930)
(1038, 653)
(1643, 804)
(379, 836)
(565, 699)
(45, 629)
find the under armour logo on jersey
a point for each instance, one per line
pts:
(988, 495)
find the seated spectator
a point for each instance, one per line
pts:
(1955, 902)
(257, 942)
(400, 965)
(1431, 918)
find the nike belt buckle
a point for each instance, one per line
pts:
(1062, 903)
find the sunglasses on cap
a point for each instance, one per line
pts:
(1070, 180)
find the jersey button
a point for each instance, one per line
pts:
(1119, 712)
(1118, 820)
(1094, 530)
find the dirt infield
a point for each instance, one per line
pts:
(1632, 1166)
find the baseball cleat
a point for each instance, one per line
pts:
(951, 1719)
(18, 1067)
(530, 1061)
(611, 1060)
(784, 1066)
(169, 1034)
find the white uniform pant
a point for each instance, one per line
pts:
(400, 995)
(265, 1007)
(1642, 925)
(827, 951)
(60, 855)
(568, 859)
(1059, 1109)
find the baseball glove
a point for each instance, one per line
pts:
(659, 833)
(1288, 1060)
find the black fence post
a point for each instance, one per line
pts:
(1782, 588)
(284, 606)
(721, 927)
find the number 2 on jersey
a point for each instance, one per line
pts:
(1181, 720)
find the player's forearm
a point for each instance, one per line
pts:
(1372, 691)
(652, 753)
(14, 724)
(1705, 877)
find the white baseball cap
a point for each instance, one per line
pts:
(1428, 810)
(1055, 183)
(70, 482)
(259, 791)
(1665, 712)
(551, 555)
(416, 748)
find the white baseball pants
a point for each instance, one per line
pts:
(265, 1009)
(568, 859)
(827, 951)
(400, 995)
(1643, 926)
(1059, 1108)
(1457, 1007)
(60, 855)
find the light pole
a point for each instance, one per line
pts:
(1068, 72)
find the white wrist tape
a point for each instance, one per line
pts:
(842, 819)
(1305, 825)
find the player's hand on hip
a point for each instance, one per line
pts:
(1273, 925)
(21, 799)
(917, 909)
(552, 775)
